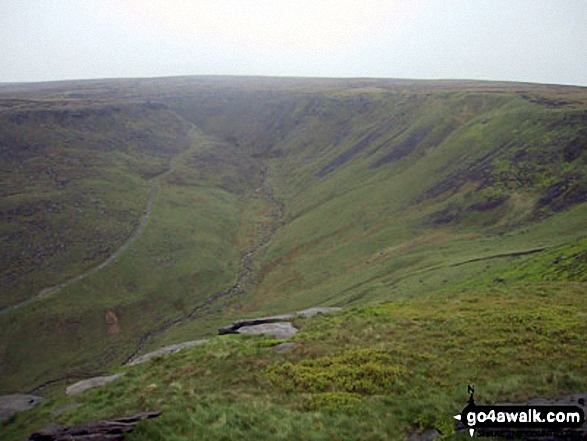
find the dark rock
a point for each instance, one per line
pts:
(50, 431)
(489, 203)
(405, 147)
(310, 312)
(235, 326)
(103, 430)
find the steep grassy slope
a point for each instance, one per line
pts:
(459, 167)
(392, 192)
(189, 249)
(461, 204)
(75, 181)
(186, 253)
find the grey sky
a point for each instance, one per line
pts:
(518, 40)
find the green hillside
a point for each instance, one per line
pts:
(446, 218)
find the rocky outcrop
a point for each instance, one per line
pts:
(90, 383)
(105, 430)
(235, 327)
(166, 350)
(278, 330)
(11, 404)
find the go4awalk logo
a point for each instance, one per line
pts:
(514, 420)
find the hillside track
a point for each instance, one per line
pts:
(134, 236)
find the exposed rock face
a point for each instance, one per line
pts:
(11, 404)
(235, 327)
(91, 383)
(279, 329)
(166, 350)
(107, 430)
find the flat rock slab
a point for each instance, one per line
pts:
(166, 350)
(235, 327)
(278, 330)
(91, 383)
(11, 404)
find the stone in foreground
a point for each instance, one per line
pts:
(82, 386)
(11, 404)
(107, 430)
(278, 330)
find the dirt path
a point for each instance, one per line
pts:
(499, 256)
(140, 229)
(245, 274)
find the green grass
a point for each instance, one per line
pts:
(185, 255)
(471, 188)
(370, 372)
(74, 187)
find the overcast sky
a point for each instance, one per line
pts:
(520, 40)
